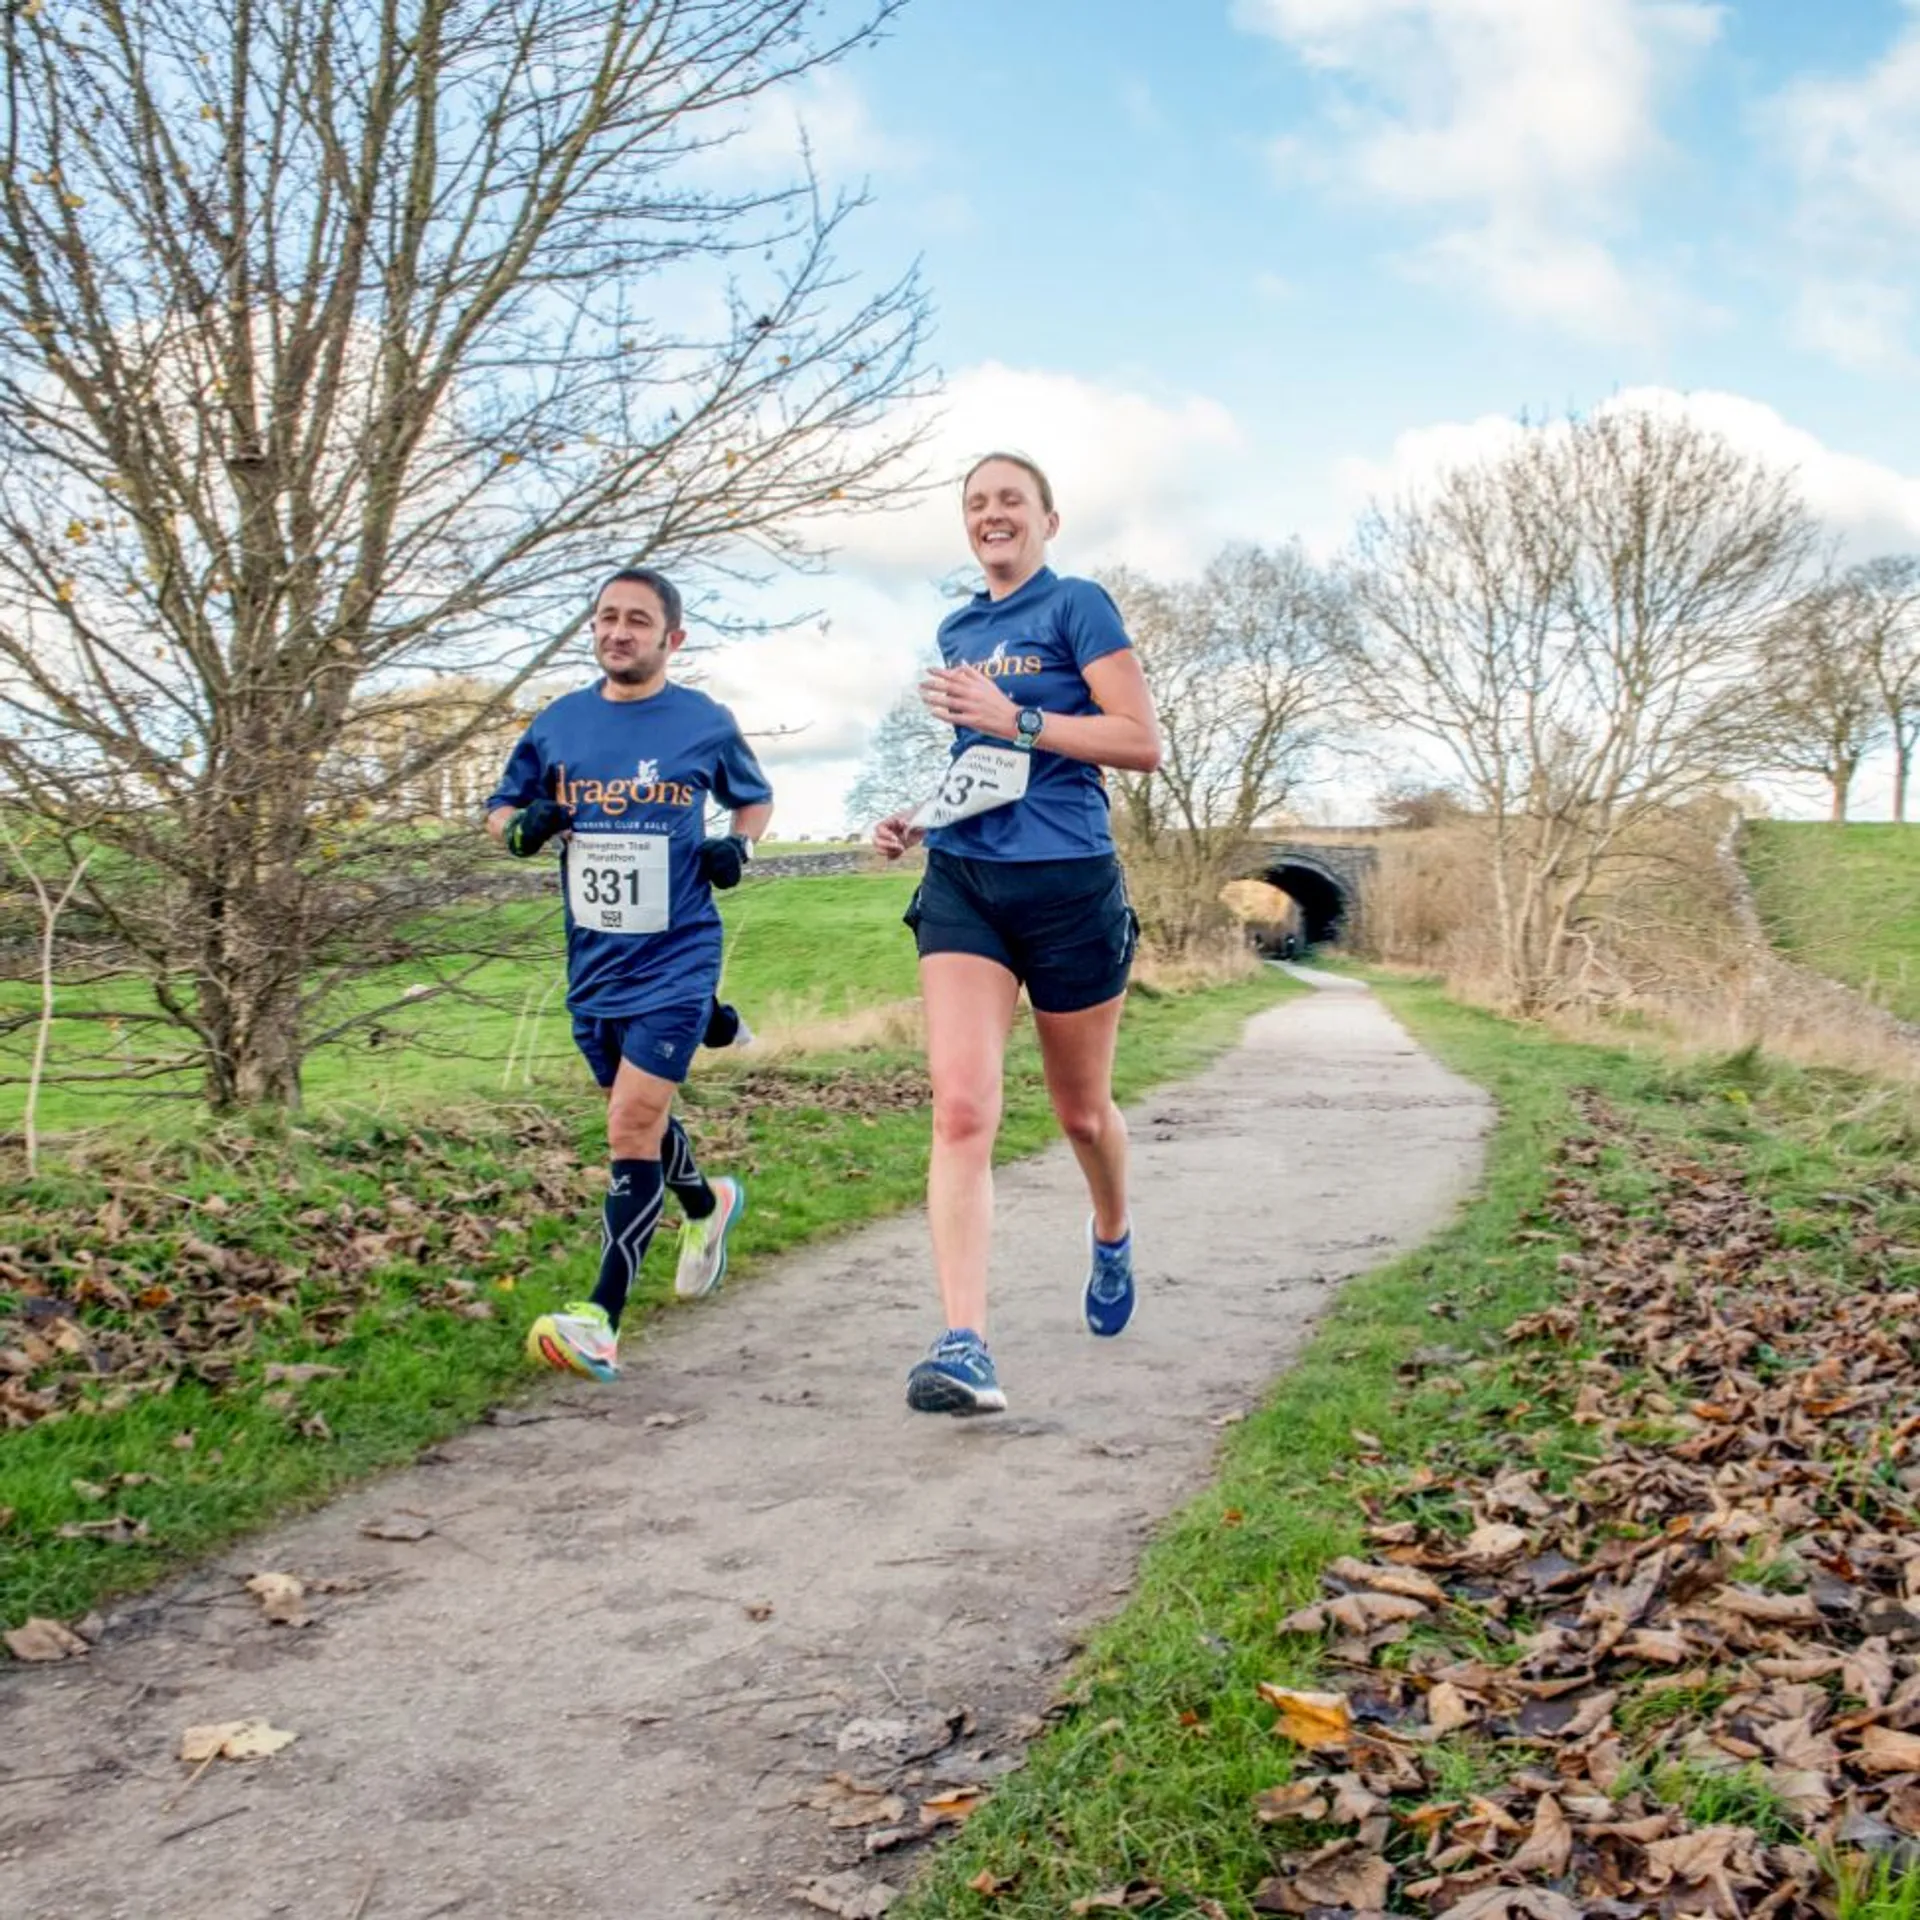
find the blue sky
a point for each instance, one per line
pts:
(1227, 266)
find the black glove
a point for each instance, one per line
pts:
(723, 1026)
(533, 826)
(721, 862)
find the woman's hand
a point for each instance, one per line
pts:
(965, 697)
(894, 835)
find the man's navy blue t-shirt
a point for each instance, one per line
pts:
(1035, 644)
(637, 774)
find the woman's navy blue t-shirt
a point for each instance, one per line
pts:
(1035, 644)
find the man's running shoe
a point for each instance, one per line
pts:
(956, 1377)
(703, 1243)
(579, 1340)
(1108, 1300)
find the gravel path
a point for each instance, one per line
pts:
(652, 1621)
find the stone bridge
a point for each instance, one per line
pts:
(1327, 880)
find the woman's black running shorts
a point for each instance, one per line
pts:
(1064, 928)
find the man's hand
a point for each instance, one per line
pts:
(533, 826)
(720, 862)
(894, 835)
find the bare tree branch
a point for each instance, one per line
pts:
(342, 343)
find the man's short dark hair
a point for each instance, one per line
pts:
(668, 593)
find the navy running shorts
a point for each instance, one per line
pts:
(1063, 928)
(661, 1041)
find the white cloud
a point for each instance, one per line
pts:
(824, 114)
(1856, 142)
(1870, 507)
(1854, 147)
(1137, 478)
(1154, 482)
(1158, 484)
(1862, 325)
(1525, 125)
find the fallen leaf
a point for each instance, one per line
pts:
(991, 1885)
(952, 1808)
(122, 1530)
(280, 1595)
(233, 1740)
(1772, 1609)
(298, 1373)
(398, 1526)
(39, 1639)
(1310, 1719)
(1507, 1903)
(1548, 1848)
(1447, 1708)
(1338, 1876)
(758, 1609)
(1494, 1541)
(846, 1894)
(1886, 1750)
(850, 1803)
(1297, 1800)
(1128, 1899)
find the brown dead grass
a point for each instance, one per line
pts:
(1664, 958)
(791, 1027)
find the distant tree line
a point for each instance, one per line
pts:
(1562, 641)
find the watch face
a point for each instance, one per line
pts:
(1029, 721)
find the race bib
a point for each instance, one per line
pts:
(977, 781)
(617, 882)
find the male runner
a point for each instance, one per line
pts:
(621, 772)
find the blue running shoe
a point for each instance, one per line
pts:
(1108, 1300)
(957, 1376)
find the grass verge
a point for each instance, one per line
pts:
(1844, 900)
(1143, 1795)
(223, 1331)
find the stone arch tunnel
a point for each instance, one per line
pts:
(1326, 882)
(1321, 898)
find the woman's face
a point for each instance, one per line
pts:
(1007, 526)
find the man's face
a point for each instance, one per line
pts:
(631, 639)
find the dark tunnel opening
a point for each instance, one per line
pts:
(1321, 899)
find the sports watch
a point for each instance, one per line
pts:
(1027, 724)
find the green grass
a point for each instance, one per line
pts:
(796, 949)
(826, 1142)
(1878, 1889)
(1844, 900)
(1152, 1769)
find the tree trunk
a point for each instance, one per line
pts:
(253, 917)
(248, 982)
(1841, 781)
(1902, 773)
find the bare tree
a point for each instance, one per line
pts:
(1571, 626)
(903, 763)
(341, 344)
(1247, 666)
(1889, 590)
(1824, 712)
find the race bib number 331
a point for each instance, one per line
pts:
(617, 882)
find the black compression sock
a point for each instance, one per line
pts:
(687, 1183)
(631, 1212)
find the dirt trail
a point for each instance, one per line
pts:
(646, 1631)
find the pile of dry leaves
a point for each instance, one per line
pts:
(1688, 1680)
(125, 1296)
